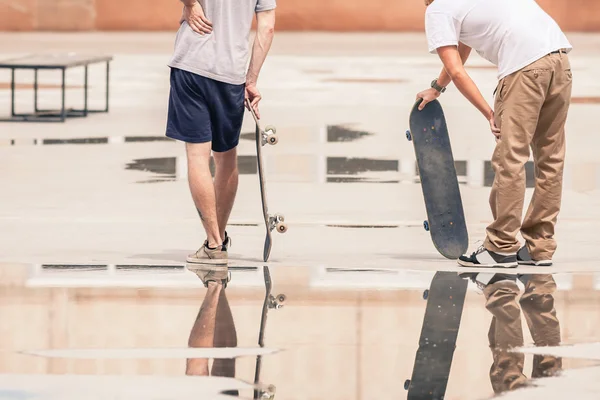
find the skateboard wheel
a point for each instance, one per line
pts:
(281, 298)
(408, 136)
(280, 218)
(282, 228)
(407, 384)
(272, 139)
(426, 294)
(270, 130)
(426, 225)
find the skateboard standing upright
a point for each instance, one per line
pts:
(269, 303)
(445, 302)
(275, 221)
(435, 162)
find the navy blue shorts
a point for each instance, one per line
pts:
(203, 110)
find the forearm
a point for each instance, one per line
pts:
(188, 3)
(467, 87)
(464, 51)
(262, 44)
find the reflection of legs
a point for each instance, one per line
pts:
(538, 306)
(226, 184)
(505, 333)
(225, 336)
(203, 190)
(203, 331)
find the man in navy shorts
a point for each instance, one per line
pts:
(209, 82)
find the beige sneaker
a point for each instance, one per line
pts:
(211, 273)
(204, 255)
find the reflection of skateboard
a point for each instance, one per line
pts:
(269, 303)
(445, 214)
(275, 221)
(445, 301)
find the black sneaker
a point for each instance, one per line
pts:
(524, 258)
(484, 258)
(227, 242)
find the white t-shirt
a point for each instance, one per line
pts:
(509, 33)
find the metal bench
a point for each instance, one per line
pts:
(60, 62)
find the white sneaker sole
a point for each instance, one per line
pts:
(206, 261)
(499, 265)
(537, 263)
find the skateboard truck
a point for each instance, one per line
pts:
(268, 393)
(276, 302)
(269, 135)
(277, 222)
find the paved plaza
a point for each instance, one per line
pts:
(106, 197)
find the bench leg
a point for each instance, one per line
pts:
(12, 93)
(85, 91)
(63, 110)
(107, 84)
(35, 90)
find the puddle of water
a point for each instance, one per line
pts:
(375, 324)
(488, 178)
(339, 133)
(167, 167)
(97, 140)
(355, 166)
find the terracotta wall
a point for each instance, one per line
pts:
(325, 15)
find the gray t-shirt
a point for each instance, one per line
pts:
(222, 55)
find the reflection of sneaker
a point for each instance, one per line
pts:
(524, 258)
(484, 258)
(483, 280)
(209, 273)
(205, 255)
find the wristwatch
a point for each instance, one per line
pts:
(437, 87)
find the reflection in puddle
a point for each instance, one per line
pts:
(335, 134)
(162, 320)
(355, 166)
(338, 170)
(488, 178)
(167, 167)
(339, 133)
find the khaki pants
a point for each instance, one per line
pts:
(531, 111)
(506, 332)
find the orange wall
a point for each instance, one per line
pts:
(324, 15)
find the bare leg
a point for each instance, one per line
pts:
(225, 336)
(203, 191)
(226, 184)
(203, 331)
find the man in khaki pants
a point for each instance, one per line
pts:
(532, 101)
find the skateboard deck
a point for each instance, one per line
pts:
(445, 301)
(275, 221)
(445, 215)
(270, 302)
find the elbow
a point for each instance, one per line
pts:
(456, 74)
(268, 29)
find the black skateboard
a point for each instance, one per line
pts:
(276, 221)
(271, 302)
(435, 162)
(445, 301)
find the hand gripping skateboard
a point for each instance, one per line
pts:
(271, 302)
(275, 221)
(445, 301)
(445, 214)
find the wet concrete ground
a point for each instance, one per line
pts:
(96, 222)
